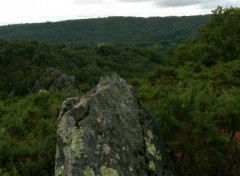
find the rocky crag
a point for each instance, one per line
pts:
(108, 133)
(53, 80)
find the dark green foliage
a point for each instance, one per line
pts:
(197, 103)
(27, 134)
(23, 62)
(165, 31)
(218, 40)
(199, 115)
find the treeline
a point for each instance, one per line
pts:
(193, 90)
(165, 31)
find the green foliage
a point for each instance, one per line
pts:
(27, 134)
(199, 115)
(218, 40)
(23, 62)
(166, 31)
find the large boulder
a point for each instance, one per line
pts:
(54, 80)
(108, 133)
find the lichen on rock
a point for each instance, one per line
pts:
(150, 146)
(151, 165)
(62, 126)
(59, 170)
(77, 141)
(107, 132)
(106, 149)
(89, 172)
(107, 171)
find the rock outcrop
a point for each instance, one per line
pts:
(108, 133)
(53, 80)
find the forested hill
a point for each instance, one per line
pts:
(111, 30)
(193, 89)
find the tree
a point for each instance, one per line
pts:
(218, 39)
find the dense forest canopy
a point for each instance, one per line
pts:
(192, 89)
(217, 41)
(23, 62)
(111, 30)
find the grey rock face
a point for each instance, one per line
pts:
(107, 133)
(53, 80)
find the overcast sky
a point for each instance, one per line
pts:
(29, 11)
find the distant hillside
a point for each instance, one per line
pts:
(114, 30)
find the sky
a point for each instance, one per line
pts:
(35, 11)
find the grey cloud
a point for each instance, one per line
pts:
(179, 3)
(176, 3)
(223, 3)
(168, 2)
